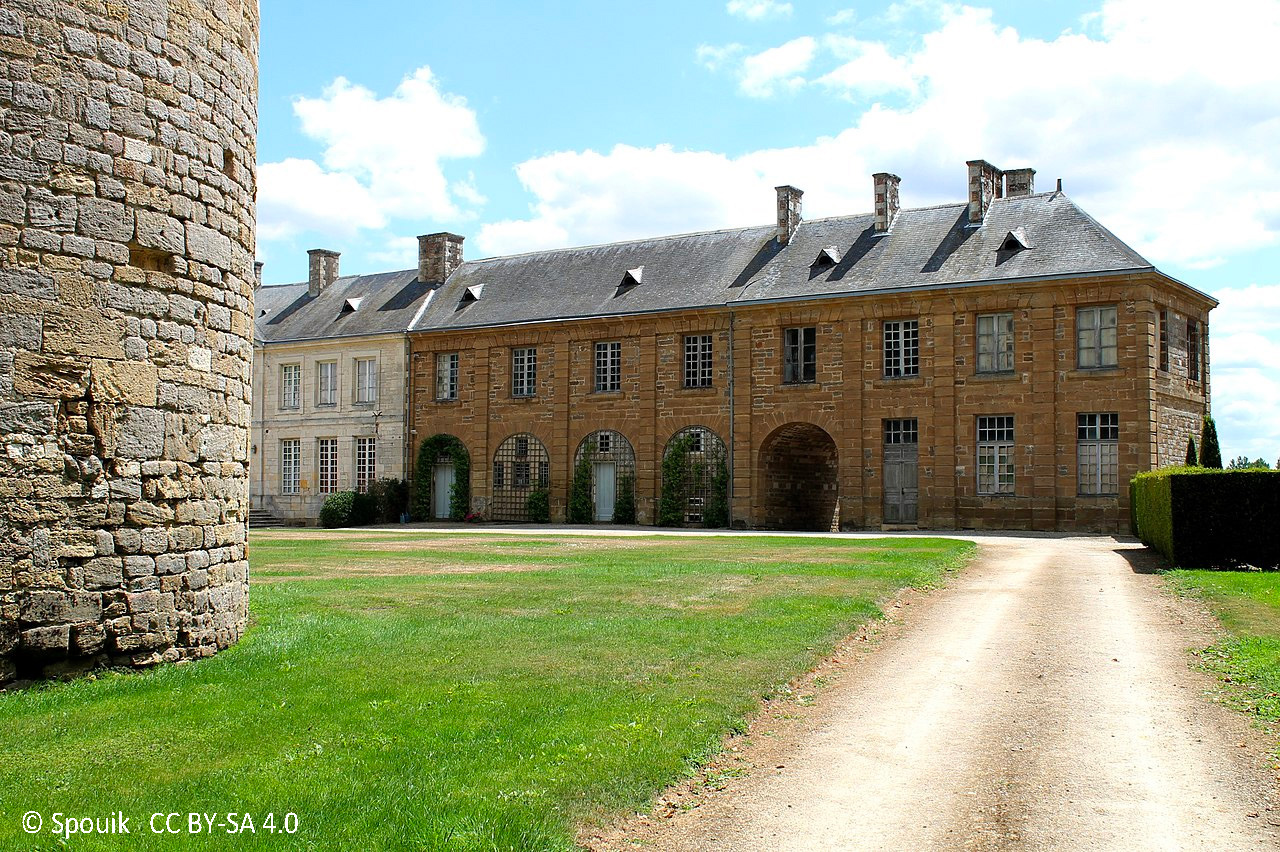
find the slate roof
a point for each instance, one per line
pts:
(926, 247)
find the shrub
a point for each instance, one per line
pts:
(538, 506)
(1192, 459)
(339, 510)
(716, 515)
(624, 503)
(1210, 453)
(390, 498)
(581, 510)
(1202, 518)
(429, 453)
(675, 483)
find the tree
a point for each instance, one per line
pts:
(675, 483)
(581, 510)
(1192, 461)
(1210, 454)
(716, 515)
(624, 504)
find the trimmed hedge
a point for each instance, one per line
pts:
(1202, 518)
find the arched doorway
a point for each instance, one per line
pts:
(613, 471)
(695, 480)
(442, 479)
(520, 466)
(798, 486)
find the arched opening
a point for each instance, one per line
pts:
(612, 462)
(798, 479)
(695, 480)
(521, 466)
(442, 479)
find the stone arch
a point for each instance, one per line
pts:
(691, 494)
(798, 484)
(610, 454)
(442, 460)
(521, 465)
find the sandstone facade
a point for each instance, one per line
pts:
(127, 164)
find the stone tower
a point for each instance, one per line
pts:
(127, 151)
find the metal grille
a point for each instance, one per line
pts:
(291, 386)
(901, 431)
(447, 375)
(697, 361)
(608, 447)
(995, 455)
(1096, 337)
(520, 464)
(901, 348)
(366, 462)
(799, 355)
(1098, 454)
(327, 383)
(327, 465)
(995, 343)
(524, 372)
(290, 465)
(608, 366)
(705, 455)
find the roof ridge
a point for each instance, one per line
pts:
(659, 238)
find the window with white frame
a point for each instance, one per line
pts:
(291, 386)
(901, 348)
(799, 355)
(290, 465)
(366, 380)
(366, 462)
(327, 383)
(1096, 337)
(1098, 454)
(446, 375)
(524, 372)
(1193, 350)
(327, 465)
(697, 361)
(608, 366)
(995, 455)
(995, 343)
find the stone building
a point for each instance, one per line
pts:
(329, 403)
(1004, 362)
(127, 159)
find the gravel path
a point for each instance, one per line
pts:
(1042, 701)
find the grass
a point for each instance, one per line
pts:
(450, 692)
(1248, 605)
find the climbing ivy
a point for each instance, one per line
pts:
(429, 453)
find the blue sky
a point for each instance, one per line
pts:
(525, 126)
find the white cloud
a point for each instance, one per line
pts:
(869, 69)
(713, 57)
(756, 10)
(297, 195)
(777, 68)
(1244, 349)
(842, 18)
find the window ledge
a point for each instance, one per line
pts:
(1094, 372)
(996, 376)
(810, 384)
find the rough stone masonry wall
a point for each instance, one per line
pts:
(127, 134)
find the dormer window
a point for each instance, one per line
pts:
(630, 278)
(350, 306)
(829, 256)
(471, 294)
(1014, 241)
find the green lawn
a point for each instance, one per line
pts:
(1248, 604)
(449, 692)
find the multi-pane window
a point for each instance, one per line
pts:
(604, 443)
(799, 355)
(995, 343)
(327, 383)
(904, 431)
(901, 348)
(524, 372)
(1163, 362)
(499, 474)
(290, 465)
(520, 474)
(697, 361)
(366, 380)
(1193, 350)
(608, 366)
(1096, 337)
(995, 455)
(366, 462)
(327, 465)
(1098, 453)
(291, 386)
(447, 375)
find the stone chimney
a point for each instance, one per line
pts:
(322, 270)
(1019, 182)
(788, 212)
(257, 274)
(438, 256)
(886, 200)
(986, 184)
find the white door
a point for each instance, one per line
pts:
(606, 490)
(442, 490)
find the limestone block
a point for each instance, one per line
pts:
(139, 566)
(43, 606)
(103, 573)
(105, 220)
(48, 639)
(158, 231)
(27, 282)
(208, 246)
(83, 332)
(140, 433)
(26, 418)
(130, 382)
(88, 638)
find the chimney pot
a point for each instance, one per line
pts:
(438, 256)
(257, 274)
(986, 184)
(322, 270)
(1019, 182)
(886, 199)
(788, 212)
(1059, 189)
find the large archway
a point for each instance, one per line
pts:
(613, 473)
(695, 480)
(798, 486)
(520, 466)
